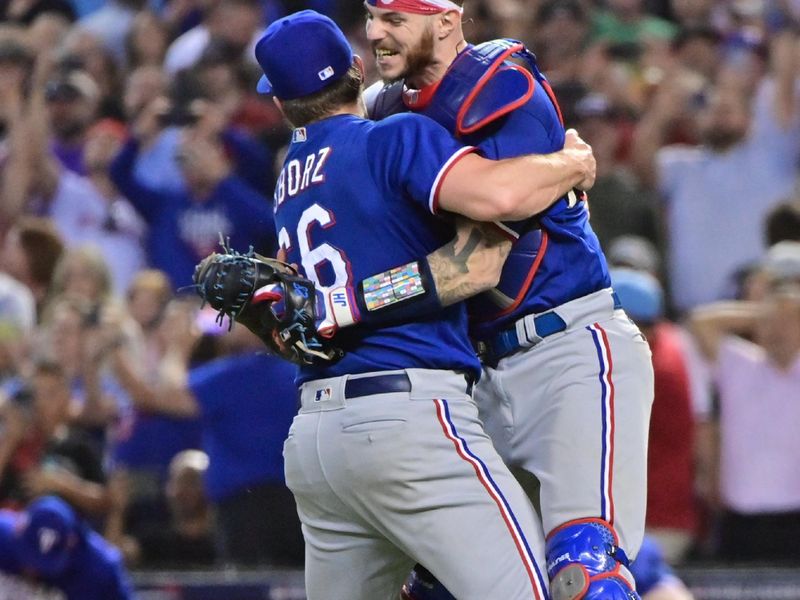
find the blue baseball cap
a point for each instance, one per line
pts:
(47, 536)
(302, 54)
(640, 293)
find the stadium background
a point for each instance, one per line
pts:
(130, 124)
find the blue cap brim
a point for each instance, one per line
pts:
(264, 86)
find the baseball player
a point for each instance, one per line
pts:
(47, 543)
(387, 458)
(568, 381)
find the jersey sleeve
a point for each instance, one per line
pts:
(413, 153)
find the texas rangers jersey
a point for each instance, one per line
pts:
(355, 198)
(550, 265)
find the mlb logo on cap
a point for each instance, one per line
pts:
(301, 55)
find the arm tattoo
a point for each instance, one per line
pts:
(470, 264)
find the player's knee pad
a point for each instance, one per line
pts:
(422, 585)
(584, 562)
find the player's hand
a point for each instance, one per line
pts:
(582, 154)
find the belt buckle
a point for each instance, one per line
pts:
(526, 332)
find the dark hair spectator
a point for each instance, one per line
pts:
(783, 223)
(186, 540)
(31, 249)
(50, 455)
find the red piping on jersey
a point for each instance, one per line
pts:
(460, 130)
(493, 494)
(531, 274)
(443, 175)
(552, 96)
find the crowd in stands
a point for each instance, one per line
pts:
(132, 142)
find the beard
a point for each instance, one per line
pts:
(418, 58)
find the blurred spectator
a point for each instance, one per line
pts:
(31, 249)
(156, 166)
(671, 517)
(17, 321)
(246, 401)
(148, 296)
(757, 381)
(85, 209)
(83, 51)
(690, 13)
(72, 102)
(187, 540)
(233, 24)
(145, 440)
(625, 22)
(562, 28)
(616, 192)
(633, 252)
(655, 580)
(42, 453)
(79, 336)
(146, 42)
(90, 210)
(699, 49)
(186, 227)
(748, 157)
(16, 62)
(25, 13)
(47, 33)
(82, 274)
(48, 544)
(208, 100)
(112, 23)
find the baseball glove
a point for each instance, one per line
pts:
(270, 298)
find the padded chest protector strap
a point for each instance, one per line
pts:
(481, 87)
(384, 100)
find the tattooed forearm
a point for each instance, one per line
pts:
(470, 264)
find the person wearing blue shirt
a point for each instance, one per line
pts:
(247, 401)
(243, 401)
(185, 226)
(579, 431)
(387, 458)
(48, 543)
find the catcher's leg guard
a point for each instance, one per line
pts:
(421, 585)
(585, 563)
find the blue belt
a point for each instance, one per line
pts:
(377, 384)
(385, 384)
(507, 341)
